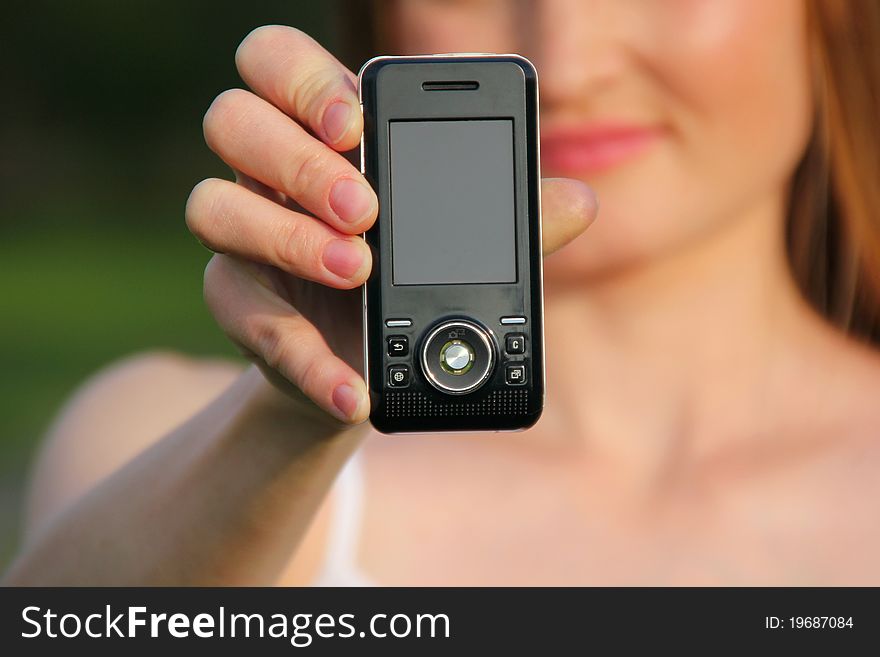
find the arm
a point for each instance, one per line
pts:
(228, 495)
(225, 498)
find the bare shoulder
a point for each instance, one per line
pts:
(842, 416)
(114, 415)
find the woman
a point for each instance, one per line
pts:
(711, 343)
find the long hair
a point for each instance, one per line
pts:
(833, 225)
(834, 208)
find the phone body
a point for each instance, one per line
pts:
(453, 307)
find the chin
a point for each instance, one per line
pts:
(570, 267)
(594, 256)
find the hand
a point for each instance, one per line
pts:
(283, 285)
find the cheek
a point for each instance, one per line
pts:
(739, 83)
(731, 79)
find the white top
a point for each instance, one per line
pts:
(340, 557)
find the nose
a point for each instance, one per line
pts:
(577, 47)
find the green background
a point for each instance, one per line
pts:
(100, 144)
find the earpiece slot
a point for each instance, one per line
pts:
(450, 85)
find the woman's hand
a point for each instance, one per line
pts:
(287, 232)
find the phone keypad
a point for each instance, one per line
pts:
(516, 369)
(398, 352)
(513, 369)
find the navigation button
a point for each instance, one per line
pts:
(457, 357)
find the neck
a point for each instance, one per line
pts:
(681, 356)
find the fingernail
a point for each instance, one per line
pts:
(351, 200)
(347, 400)
(337, 118)
(343, 258)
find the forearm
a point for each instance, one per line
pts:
(223, 499)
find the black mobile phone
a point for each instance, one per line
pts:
(453, 308)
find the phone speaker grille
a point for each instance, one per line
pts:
(399, 404)
(450, 85)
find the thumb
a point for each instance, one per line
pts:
(567, 207)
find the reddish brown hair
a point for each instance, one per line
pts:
(834, 216)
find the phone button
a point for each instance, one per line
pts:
(398, 323)
(398, 376)
(515, 343)
(515, 375)
(398, 345)
(513, 320)
(457, 356)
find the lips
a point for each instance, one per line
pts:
(595, 148)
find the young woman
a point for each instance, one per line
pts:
(712, 404)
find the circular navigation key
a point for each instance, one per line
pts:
(457, 356)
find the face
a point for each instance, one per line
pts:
(684, 115)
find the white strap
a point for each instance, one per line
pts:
(346, 521)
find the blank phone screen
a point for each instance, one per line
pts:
(453, 216)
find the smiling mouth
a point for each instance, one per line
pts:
(594, 149)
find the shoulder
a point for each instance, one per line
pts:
(839, 421)
(832, 491)
(114, 415)
(153, 385)
(125, 404)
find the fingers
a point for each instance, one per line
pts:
(258, 140)
(567, 208)
(259, 188)
(228, 218)
(253, 316)
(293, 72)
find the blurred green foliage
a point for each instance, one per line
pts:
(100, 143)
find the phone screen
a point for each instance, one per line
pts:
(452, 202)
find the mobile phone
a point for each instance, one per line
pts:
(453, 308)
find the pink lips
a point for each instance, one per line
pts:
(593, 148)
